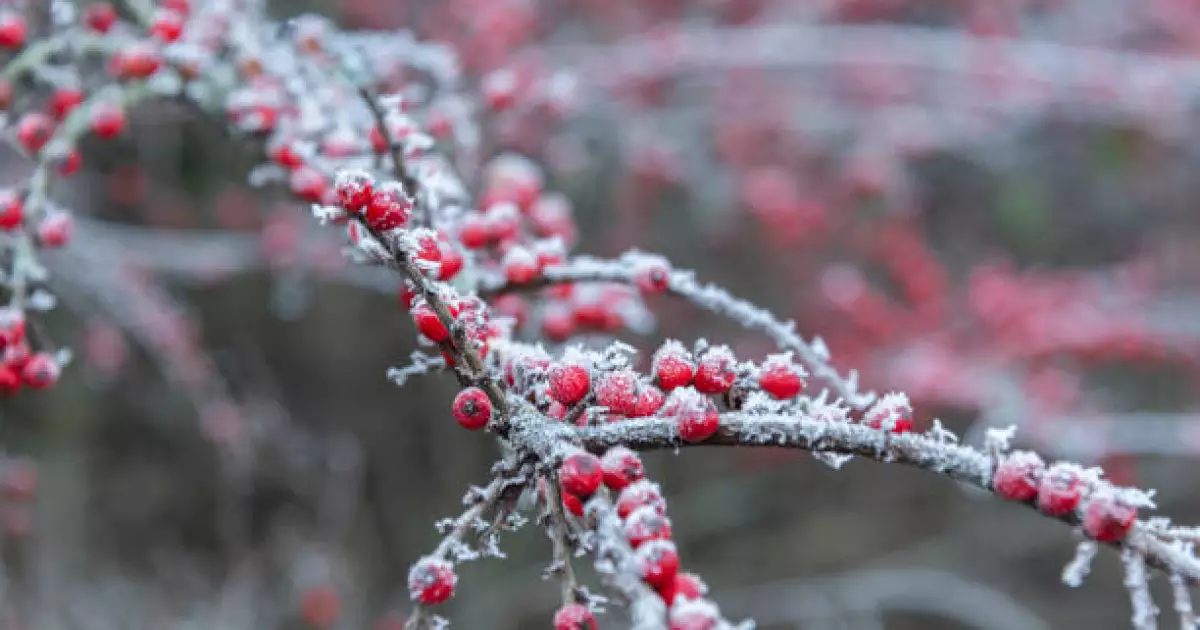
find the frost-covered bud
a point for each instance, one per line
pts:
(431, 581)
(621, 467)
(1018, 475)
(645, 524)
(672, 366)
(715, 372)
(641, 493)
(781, 377)
(658, 563)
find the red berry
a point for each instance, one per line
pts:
(473, 231)
(558, 323)
(500, 89)
(568, 383)
(472, 408)
(696, 417)
(167, 25)
(12, 327)
(687, 586)
(41, 371)
(672, 366)
(108, 121)
(641, 493)
(389, 207)
(13, 30)
(580, 474)
(520, 265)
(645, 524)
(34, 131)
(70, 163)
(10, 380)
(781, 378)
(1018, 476)
(658, 562)
(354, 189)
(62, 101)
(621, 467)
(1060, 490)
(652, 275)
(1108, 519)
(714, 374)
(573, 503)
(649, 401)
(696, 614)
(285, 155)
(452, 262)
(428, 253)
(618, 391)
(100, 16)
(136, 61)
(12, 210)
(431, 581)
(321, 606)
(55, 229)
(307, 183)
(16, 355)
(574, 617)
(429, 324)
(893, 413)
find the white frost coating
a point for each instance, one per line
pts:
(616, 562)
(421, 364)
(1183, 603)
(1145, 613)
(1079, 566)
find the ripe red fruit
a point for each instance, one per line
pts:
(167, 25)
(641, 493)
(452, 262)
(63, 100)
(473, 231)
(520, 265)
(431, 581)
(500, 89)
(13, 30)
(649, 401)
(672, 366)
(55, 229)
(1018, 476)
(472, 408)
(307, 183)
(1108, 519)
(428, 323)
(1060, 490)
(16, 355)
(10, 380)
(574, 617)
(321, 606)
(41, 371)
(99, 16)
(573, 503)
(618, 391)
(658, 562)
(354, 189)
(696, 614)
(652, 275)
(568, 383)
(696, 417)
(285, 155)
(714, 374)
(621, 467)
(645, 524)
(108, 121)
(580, 474)
(781, 378)
(12, 327)
(12, 210)
(70, 163)
(34, 131)
(136, 61)
(687, 586)
(389, 207)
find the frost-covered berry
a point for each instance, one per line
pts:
(715, 371)
(452, 261)
(321, 606)
(136, 61)
(1060, 490)
(1107, 518)
(652, 275)
(520, 265)
(641, 493)
(428, 323)
(650, 400)
(431, 581)
(34, 130)
(568, 383)
(13, 30)
(12, 210)
(574, 617)
(685, 586)
(472, 408)
(354, 189)
(672, 366)
(1018, 476)
(500, 89)
(167, 25)
(427, 253)
(893, 413)
(389, 207)
(696, 614)
(64, 100)
(99, 16)
(645, 524)
(307, 183)
(658, 562)
(573, 503)
(41, 371)
(473, 231)
(69, 163)
(780, 378)
(55, 229)
(621, 467)
(107, 120)
(10, 380)
(696, 417)
(580, 474)
(618, 391)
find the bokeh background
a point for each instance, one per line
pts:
(990, 205)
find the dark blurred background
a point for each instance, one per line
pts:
(990, 205)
